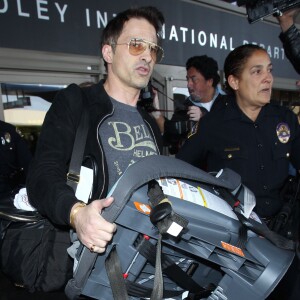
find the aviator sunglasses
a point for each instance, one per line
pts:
(138, 46)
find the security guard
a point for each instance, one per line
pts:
(253, 137)
(15, 157)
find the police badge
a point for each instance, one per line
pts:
(283, 132)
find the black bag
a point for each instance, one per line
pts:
(33, 251)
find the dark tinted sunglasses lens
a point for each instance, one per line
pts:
(136, 47)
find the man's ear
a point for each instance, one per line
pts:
(107, 53)
(210, 81)
(233, 82)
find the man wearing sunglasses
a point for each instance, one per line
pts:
(119, 134)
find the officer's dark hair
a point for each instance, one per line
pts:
(205, 65)
(114, 28)
(235, 62)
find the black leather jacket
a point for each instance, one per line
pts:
(46, 181)
(291, 44)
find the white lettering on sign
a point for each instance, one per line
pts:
(61, 11)
(274, 52)
(3, 10)
(173, 34)
(184, 30)
(20, 12)
(193, 36)
(87, 17)
(100, 17)
(202, 38)
(213, 40)
(42, 9)
(45, 10)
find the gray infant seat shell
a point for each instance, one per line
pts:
(210, 253)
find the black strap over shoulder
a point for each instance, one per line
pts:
(73, 175)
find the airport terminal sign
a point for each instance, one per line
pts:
(75, 26)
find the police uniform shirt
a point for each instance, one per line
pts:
(259, 151)
(14, 156)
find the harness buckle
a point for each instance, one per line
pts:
(73, 177)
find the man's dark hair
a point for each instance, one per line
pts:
(205, 65)
(115, 26)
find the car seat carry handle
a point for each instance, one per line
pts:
(138, 174)
(155, 167)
